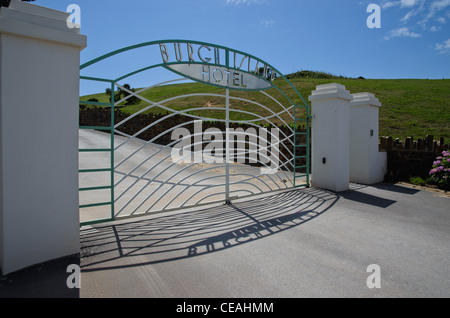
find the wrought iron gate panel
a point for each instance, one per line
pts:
(257, 148)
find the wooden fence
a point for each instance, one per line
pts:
(410, 157)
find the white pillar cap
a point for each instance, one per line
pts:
(331, 91)
(33, 21)
(365, 99)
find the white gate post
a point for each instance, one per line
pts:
(367, 164)
(330, 131)
(39, 93)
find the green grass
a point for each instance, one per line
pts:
(417, 181)
(410, 107)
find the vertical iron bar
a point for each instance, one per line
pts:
(112, 149)
(227, 58)
(308, 118)
(295, 149)
(227, 147)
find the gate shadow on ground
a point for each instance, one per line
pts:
(189, 234)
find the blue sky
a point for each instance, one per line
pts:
(292, 35)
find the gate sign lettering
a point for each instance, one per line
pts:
(218, 66)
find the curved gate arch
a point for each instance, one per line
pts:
(203, 124)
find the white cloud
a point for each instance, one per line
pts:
(390, 4)
(409, 3)
(443, 48)
(238, 2)
(429, 14)
(409, 15)
(434, 10)
(401, 32)
(267, 23)
(402, 3)
(414, 11)
(437, 6)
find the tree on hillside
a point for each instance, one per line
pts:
(132, 100)
(123, 93)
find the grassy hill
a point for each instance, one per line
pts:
(410, 107)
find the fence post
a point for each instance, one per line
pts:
(330, 130)
(39, 93)
(367, 164)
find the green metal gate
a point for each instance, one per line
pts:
(127, 162)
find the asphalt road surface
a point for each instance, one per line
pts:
(301, 243)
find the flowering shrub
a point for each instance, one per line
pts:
(441, 170)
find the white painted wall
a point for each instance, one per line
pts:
(367, 164)
(330, 130)
(39, 91)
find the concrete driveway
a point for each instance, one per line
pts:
(300, 243)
